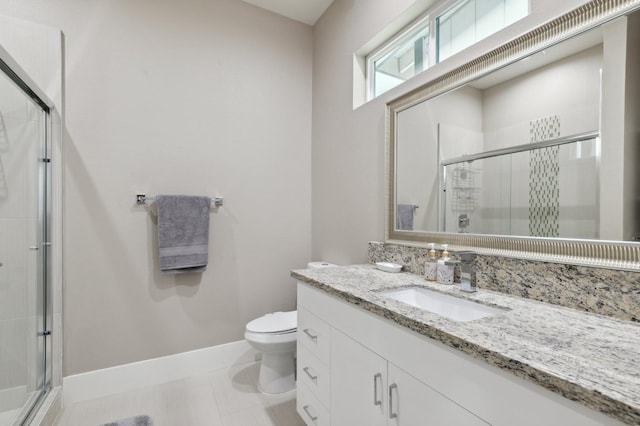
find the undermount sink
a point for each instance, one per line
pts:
(451, 307)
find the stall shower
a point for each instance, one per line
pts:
(24, 245)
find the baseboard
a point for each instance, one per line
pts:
(122, 378)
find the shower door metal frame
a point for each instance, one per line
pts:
(15, 73)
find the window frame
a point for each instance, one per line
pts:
(387, 48)
(428, 18)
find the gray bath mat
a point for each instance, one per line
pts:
(132, 421)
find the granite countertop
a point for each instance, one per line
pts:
(585, 357)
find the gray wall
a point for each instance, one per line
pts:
(449, 125)
(197, 97)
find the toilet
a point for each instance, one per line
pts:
(274, 335)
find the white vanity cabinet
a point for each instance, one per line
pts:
(358, 383)
(358, 368)
(366, 389)
(312, 368)
(414, 403)
(341, 382)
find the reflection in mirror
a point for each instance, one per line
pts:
(524, 184)
(535, 148)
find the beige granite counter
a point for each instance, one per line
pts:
(585, 357)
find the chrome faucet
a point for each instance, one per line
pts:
(467, 270)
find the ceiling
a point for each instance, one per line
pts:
(306, 11)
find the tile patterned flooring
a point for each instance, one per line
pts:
(227, 397)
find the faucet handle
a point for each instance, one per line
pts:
(466, 256)
(467, 274)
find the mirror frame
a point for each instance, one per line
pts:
(596, 253)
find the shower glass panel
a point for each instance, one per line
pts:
(549, 191)
(23, 251)
(478, 196)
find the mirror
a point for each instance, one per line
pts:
(537, 147)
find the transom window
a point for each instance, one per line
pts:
(455, 26)
(399, 59)
(469, 21)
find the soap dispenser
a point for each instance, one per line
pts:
(431, 264)
(444, 271)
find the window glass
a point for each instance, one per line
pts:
(405, 56)
(469, 21)
(414, 49)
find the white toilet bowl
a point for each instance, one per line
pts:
(275, 336)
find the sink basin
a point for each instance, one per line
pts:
(449, 307)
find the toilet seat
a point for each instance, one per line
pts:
(273, 340)
(274, 323)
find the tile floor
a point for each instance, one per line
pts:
(7, 417)
(227, 397)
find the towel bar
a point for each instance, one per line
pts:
(141, 200)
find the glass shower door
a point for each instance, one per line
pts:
(23, 213)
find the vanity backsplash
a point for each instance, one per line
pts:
(602, 291)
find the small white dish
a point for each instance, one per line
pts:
(388, 267)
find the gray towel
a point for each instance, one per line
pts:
(183, 233)
(404, 217)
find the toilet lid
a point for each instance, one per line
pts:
(276, 322)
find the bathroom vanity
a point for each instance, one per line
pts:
(367, 359)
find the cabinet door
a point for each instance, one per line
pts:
(358, 383)
(411, 403)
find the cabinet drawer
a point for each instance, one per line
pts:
(314, 374)
(314, 334)
(310, 409)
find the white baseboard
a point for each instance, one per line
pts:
(122, 378)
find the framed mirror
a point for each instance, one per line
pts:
(530, 150)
